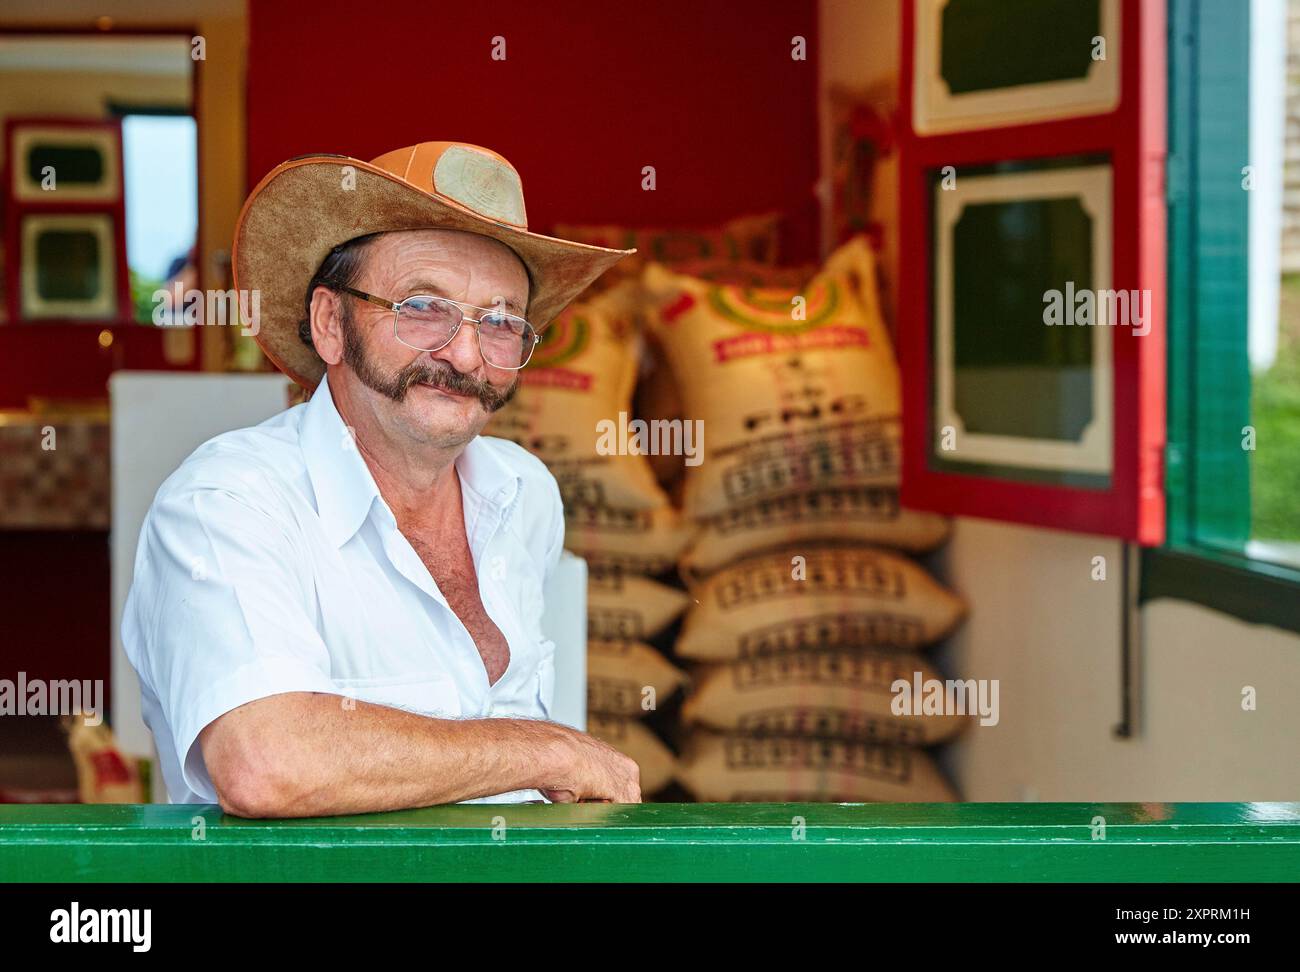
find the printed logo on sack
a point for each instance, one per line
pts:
(563, 341)
(768, 308)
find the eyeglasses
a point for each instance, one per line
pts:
(428, 323)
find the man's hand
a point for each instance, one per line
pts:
(590, 770)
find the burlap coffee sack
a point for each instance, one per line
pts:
(636, 541)
(629, 678)
(868, 514)
(744, 273)
(815, 595)
(630, 737)
(733, 768)
(838, 694)
(582, 375)
(746, 239)
(657, 395)
(626, 607)
(797, 389)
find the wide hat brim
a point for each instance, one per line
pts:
(301, 210)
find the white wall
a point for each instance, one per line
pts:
(1051, 634)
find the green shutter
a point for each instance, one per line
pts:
(1208, 480)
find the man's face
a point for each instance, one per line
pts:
(442, 397)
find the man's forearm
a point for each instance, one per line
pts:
(304, 754)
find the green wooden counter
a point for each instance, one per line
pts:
(661, 842)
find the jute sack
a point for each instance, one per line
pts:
(581, 377)
(657, 397)
(818, 596)
(637, 541)
(868, 514)
(625, 607)
(748, 239)
(734, 768)
(744, 273)
(797, 389)
(835, 694)
(629, 678)
(631, 738)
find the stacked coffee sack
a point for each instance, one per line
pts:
(807, 612)
(617, 517)
(575, 410)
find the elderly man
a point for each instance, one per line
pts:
(338, 610)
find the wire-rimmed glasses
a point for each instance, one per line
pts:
(426, 322)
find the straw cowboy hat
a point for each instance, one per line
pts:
(305, 207)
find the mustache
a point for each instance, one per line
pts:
(447, 378)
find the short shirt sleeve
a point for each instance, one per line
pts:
(223, 615)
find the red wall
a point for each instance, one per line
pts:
(704, 90)
(66, 360)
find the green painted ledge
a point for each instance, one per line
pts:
(1201, 842)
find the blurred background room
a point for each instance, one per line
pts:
(909, 475)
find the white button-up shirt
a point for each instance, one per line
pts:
(269, 563)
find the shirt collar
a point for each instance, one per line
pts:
(484, 472)
(345, 490)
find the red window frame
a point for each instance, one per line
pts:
(1134, 136)
(16, 209)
